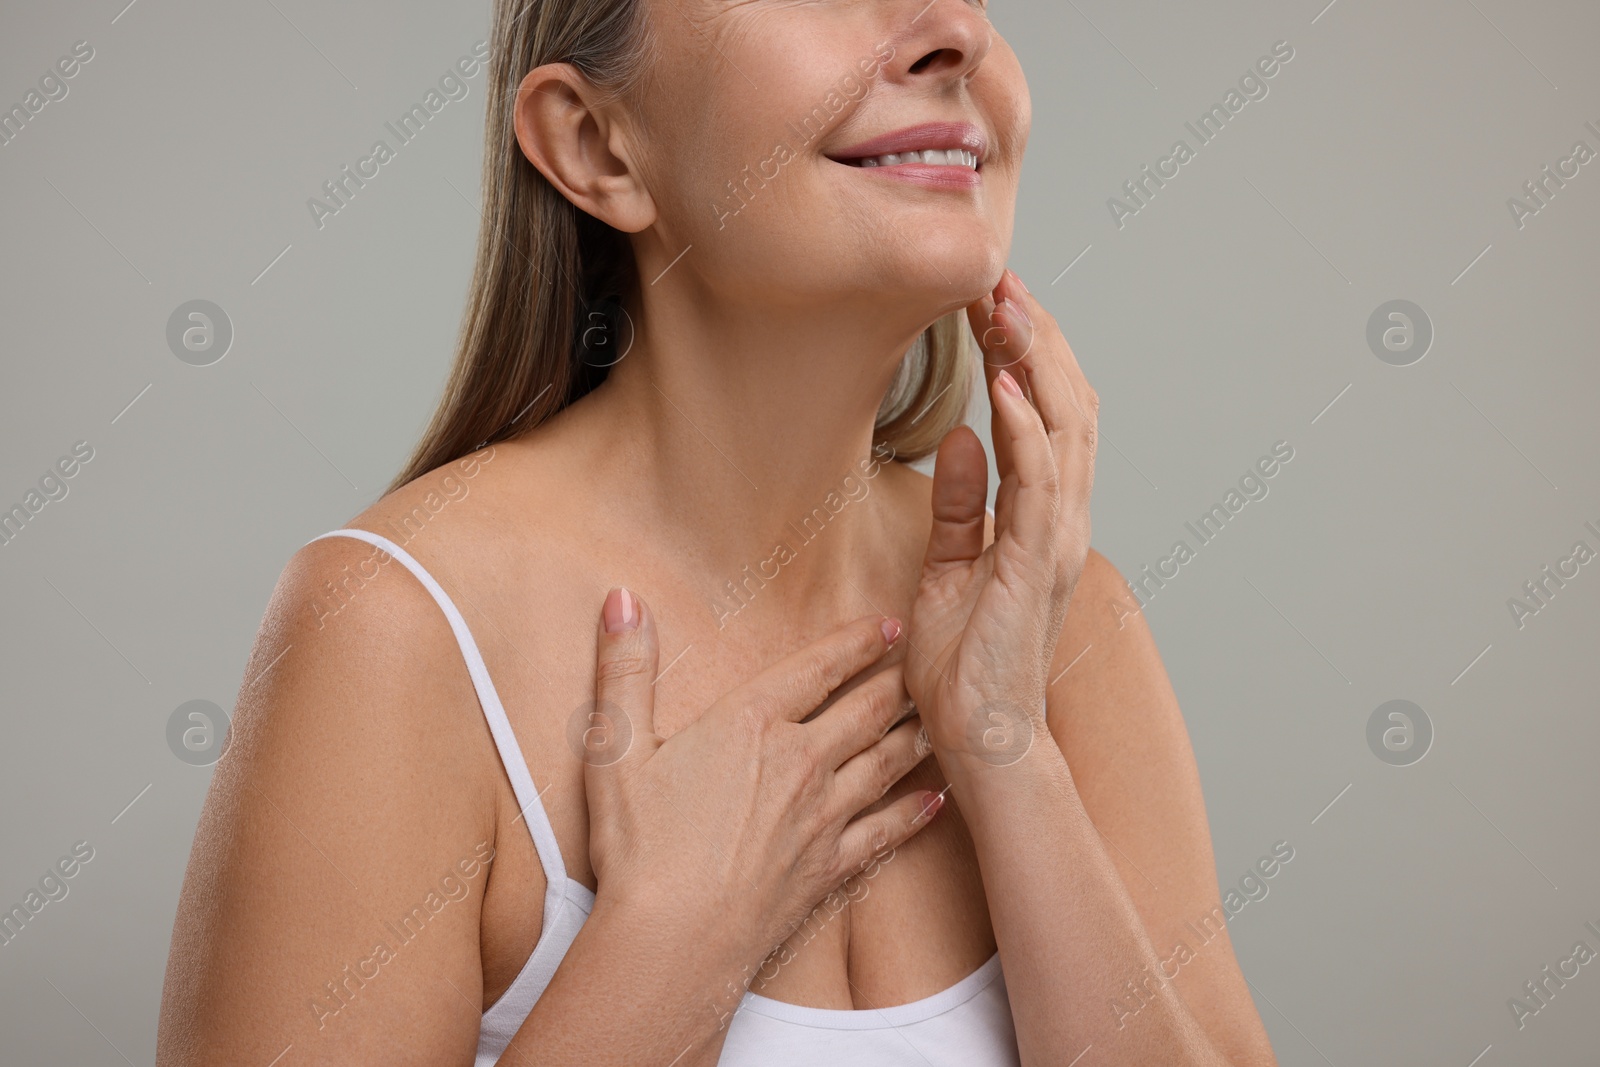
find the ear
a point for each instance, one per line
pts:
(578, 144)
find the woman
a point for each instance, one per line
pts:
(692, 820)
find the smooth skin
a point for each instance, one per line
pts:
(361, 778)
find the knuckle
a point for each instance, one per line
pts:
(891, 709)
(752, 717)
(826, 808)
(620, 667)
(885, 698)
(883, 766)
(800, 683)
(814, 675)
(864, 641)
(805, 815)
(907, 754)
(1051, 483)
(806, 754)
(823, 847)
(836, 868)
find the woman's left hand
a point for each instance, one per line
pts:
(985, 622)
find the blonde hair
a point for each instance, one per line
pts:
(545, 270)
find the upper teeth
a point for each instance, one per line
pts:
(954, 157)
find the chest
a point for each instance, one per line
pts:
(910, 925)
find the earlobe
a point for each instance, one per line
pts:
(578, 146)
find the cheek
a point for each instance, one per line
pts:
(1003, 96)
(727, 160)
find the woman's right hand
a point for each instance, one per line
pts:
(736, 826)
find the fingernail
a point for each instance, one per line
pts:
(621, 611)
(891, 630)
(929, 804)
(1008, 383)
(1016, 310)
(1018, 279)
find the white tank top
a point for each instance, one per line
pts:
(967, 1025)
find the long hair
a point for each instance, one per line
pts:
(549, 275)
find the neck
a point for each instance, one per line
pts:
(745, 440)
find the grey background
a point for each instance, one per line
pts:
(1230, 313)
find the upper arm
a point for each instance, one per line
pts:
(332, 895)
(1117, 722)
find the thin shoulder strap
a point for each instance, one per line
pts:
(544, 839)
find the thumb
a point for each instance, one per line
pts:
(619, 729)
(960, 486)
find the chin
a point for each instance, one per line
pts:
(959, 267)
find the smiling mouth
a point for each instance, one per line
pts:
(952, 157)
(947, 150)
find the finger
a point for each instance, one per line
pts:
(864, 778)
(1031, 501)
(859, 718)
(997, 351)
(1069, 409)
(1053, 380)
(960, 488)
(1007, 340)
(620, 728)
(1010, 319)
(798, 684)
(868, 839)
(1012, 290)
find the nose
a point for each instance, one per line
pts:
(945, 40)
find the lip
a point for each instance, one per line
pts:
(920, 138)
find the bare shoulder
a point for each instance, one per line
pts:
(452, 507)
(353, 792)
(357, 659)
(350, 624)
(355, 677)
